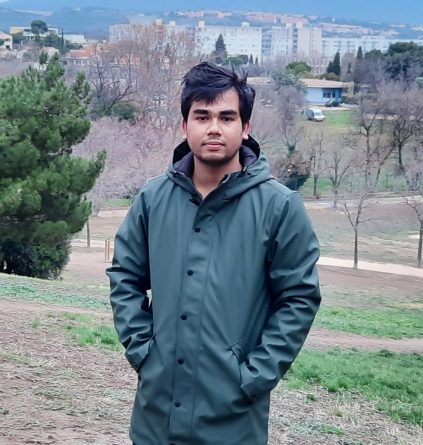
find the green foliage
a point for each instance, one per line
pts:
(329, 76)
(404, 60)
(39, 27)
(335, 66)
(284, 78)
(298, 68)
(220, 54)
(42, 186)
(124, 111)
(54, 41)
(393, 380)
(18, 38)
(390, 323)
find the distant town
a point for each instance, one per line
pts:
(258, 36)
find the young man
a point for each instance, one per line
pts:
(229, 256)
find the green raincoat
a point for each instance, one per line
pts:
(234, 292)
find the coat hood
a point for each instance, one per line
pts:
(255, 169)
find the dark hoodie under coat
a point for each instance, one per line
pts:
(234, 292)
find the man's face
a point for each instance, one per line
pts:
(214, 132)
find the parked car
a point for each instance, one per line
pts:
(332, 103)
(314, 114)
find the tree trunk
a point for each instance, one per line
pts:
(355, 248)
(335, 198)
(88, 233)
(315, 186)
(419, 250)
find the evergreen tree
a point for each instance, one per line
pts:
(251, 60)
(220, 54)
(359, 56)
(336, 64)
(42, 185)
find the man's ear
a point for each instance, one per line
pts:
(184, 128)
(246, 130)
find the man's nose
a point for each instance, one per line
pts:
(214, 127)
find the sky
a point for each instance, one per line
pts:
(390, 11)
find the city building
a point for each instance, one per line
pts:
(319, 91)
(350, 45)
(26, 31)
(6, 41)
(239, 40)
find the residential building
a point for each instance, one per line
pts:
(291, 40)
(350, 45)
(244, 39)
(26, 31)
(6, 41)
(319, 91)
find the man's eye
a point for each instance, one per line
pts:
(227, 119)
(201, 118)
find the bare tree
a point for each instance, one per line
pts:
(354, 212)
(416, 203)
(373, 148)
(315, 153)
(338, 162)
(404, 108)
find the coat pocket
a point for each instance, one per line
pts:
(151, 343)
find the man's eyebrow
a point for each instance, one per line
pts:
(229, 112)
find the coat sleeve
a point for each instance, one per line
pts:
(294, 286)
(129, 277)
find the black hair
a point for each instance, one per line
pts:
(206, 81)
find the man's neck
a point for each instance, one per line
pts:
(206, 178)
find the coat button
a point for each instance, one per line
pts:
(177, 404)
(183, 317)
(190, 272)
(180, 361)
(197, 230)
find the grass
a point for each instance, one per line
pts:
(50, 292)
(393, 381)
(391, 323)
(312, 427)
(339, 118)
(88, 330)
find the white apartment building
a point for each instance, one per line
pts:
(309, 40)
(350, 45)
(291, 40)
(244, 39)
(6, 41)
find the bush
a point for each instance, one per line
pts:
(34, 260)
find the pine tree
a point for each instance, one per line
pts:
(359, 56)
(251, 60)
(220, 54)
(336, 64)
(42, 185)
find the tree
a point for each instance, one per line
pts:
(354, 213)
(283, 78)
(416, 203)
(315, 153)
(338, 162)
(39, 27)
(298, 68)
(336, 65)
(42, 185)
(220, 55)
(18, 38)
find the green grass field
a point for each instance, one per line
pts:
(393, 381)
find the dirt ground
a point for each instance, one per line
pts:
(53, 392)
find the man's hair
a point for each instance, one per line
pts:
(206, 81)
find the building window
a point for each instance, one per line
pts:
(326, 95)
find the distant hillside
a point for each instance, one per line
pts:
(92, 22)
(390, 11)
